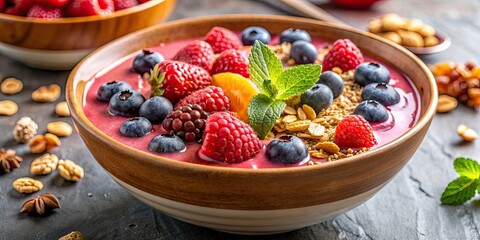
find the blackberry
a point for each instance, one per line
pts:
(187, 122)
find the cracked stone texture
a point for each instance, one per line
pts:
(407, 208)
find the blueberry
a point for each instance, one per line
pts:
(135, 127)
(372, 111)
(382, 93)
(250, 34)
(369, 72)
(106, 91)
(156, 109)
(126, 103)
(303, 52)
(333, 81)
(286, 149)
(318, 97)
(146, 60)
(166, 143)
(292, 34)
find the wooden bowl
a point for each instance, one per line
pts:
(251, 201)
(61, 43)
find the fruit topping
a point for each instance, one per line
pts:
(303, 52)
(333, 81)
(166, 143)
(146, 60)
(287, 149)
(222, 39)
(343, 54)
(175, 80)
(238, 89)
(155, 109)
(318, 97)
(292, 34)
(125, 103)
(232, 60)
(39, 11)
(228, 140)
(198, 53)
(135, 127)
(107, 90)
(382, 93)
(19, 8)
(124, 4)
(354, 132)
(212, 99)
(187, 122)
(369, 72)
(372, 111)
(250, 34)
(52, 3)
(78, 8)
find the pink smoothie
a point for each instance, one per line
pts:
(403, 115)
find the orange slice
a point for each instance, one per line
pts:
(240, 90)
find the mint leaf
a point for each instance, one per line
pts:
(263, 65)
(298, 79)
(467, 167)
(269, 89)
(263, 112)
(459, 191)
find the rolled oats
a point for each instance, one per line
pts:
(289, 118)
(309, 112)
(301, 114)
(328, 147)
(61, 129)
(8, 107)
(69, 170)
(316, 129)
(48, 93)
(44, 165)
(290, 110)
(61, 109)
(27, 185)
(11, 86)
(298, 126)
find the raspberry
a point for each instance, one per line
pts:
(124, 4)
(222, 39)
(187, 122)
(38, 11)
(354, 132)
(228, 140)
(2, 4)
(198, 53)
(344, 54)
(19, 8)
(211, 99)
(52, 3)
(234, 61)
(78, 8)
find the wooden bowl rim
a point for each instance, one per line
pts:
(158, 161)
(69, 20)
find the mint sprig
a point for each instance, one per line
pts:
(275, 85)
(463, 188)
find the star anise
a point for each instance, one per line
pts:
(9, 160)
(40, 204)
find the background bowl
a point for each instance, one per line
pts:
(59, 44)
(244, 200)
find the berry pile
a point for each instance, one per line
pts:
(64, 8)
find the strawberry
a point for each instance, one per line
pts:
(198, 53)
(78, 8)
(354, 132)
(123, 4)
(226, 139)
(52, 3)
(174, 80)
(19, 8)
(344, 54)
(234, 61)
(222, 39)
(211, 99)
(39, 11)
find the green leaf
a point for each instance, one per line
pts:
(467, 167)
(263, 112)
(263, 64)
(459, 191)
(269, 89)
(298, 79)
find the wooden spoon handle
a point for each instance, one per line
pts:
(310, 10)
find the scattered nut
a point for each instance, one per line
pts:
(61, 109)
(73, 236)
(446, 103)
(69, 170)
(61, 129)
(24, 129)
(8, 107)
(11, 86)
(48, 93)
(44, 165)
(467, 133)
(311, 114)
(38, 144)
(27, 185)
(52, 141)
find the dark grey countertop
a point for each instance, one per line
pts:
(407, 208)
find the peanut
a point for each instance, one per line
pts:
(61, 129)
(8, 107)
(467, 133)
(11, 86)
(61, 109)
(446, 103)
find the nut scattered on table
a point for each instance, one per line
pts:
(40, 204)
(27, 185)
(24, 129)
(44, 164)
(9, 160)
(61, 129)
(42, 143)
(446, 104)
(61, 109)
(8, 107)
(75, 235)
(11, 86)
(466, 133)
(69, 170)
(48, 93)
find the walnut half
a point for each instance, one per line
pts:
(69, 170)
